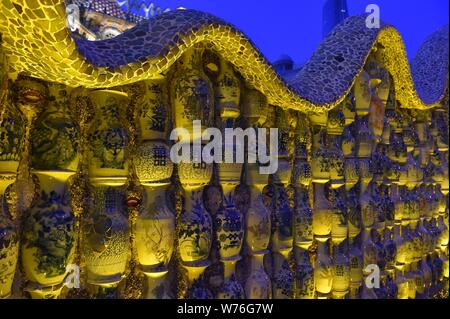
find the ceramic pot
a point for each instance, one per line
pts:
(386, 134)
(322, 214)
(348, 143)
(348, 108)
(354, 214)
(258, 284)
(399, 204)
(48, 233)
(229, 221)
(388, 207)
(11, 133)
(380, 88)
(152, 163)
(427, 277)
(194, 175)
(365, 175)
(351, 172)
(410, 137)
(341, 272)
(302, 175)
(323, 272)
(303, 137)
(156, 286)
(198, 290)
(191, 93)
(336, 121)
(368, 209)
(155, 236)
(229, 230)
(258, 219)
(397, 151)
(369, 251)
(304, 277)
(362, 93)
(379, 208)
(401, 245)
(195, 235)
(11, 141)
(231, 288)
(284, 122)
(317, 119)
(365, 139)
(440, 121)
(108, 139)
(380, 164)
(320, 160)
(153, 111)
(390, 250)
(254, 106)
(413, 171)
(54, 138)
(258, 223)
(282, 220)
(339, 224)
(377, 72)
(106, 238)
(356, 269)
(228, 91)
(402, 284)
(303, 220)
(336, 163)
(283, 278)
(31, 97)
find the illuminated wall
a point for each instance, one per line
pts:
(88, 185)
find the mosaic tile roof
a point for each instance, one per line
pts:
(151, 47)
(430, 66)
(336, 62)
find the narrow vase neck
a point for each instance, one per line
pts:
(257, 262)
(229, 269)
(53, 181)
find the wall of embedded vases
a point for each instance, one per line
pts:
(87, 184)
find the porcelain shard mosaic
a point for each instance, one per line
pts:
(92, 205)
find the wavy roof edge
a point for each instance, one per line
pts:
(151, 47)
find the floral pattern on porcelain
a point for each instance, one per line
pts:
(258, 284)
(195, 235)
(258, 223)
(106, 240)
(48, 239)
(152, 162)
(11, 133)
(155, 235)
(192, 93)
(153, 117)
(229, 230)
(107, 135)
(54, 137)
(283, 281)
(303, 220)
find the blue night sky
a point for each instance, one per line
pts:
(294, 27)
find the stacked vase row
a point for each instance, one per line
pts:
(358, 207)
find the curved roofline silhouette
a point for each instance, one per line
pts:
(46, 50)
